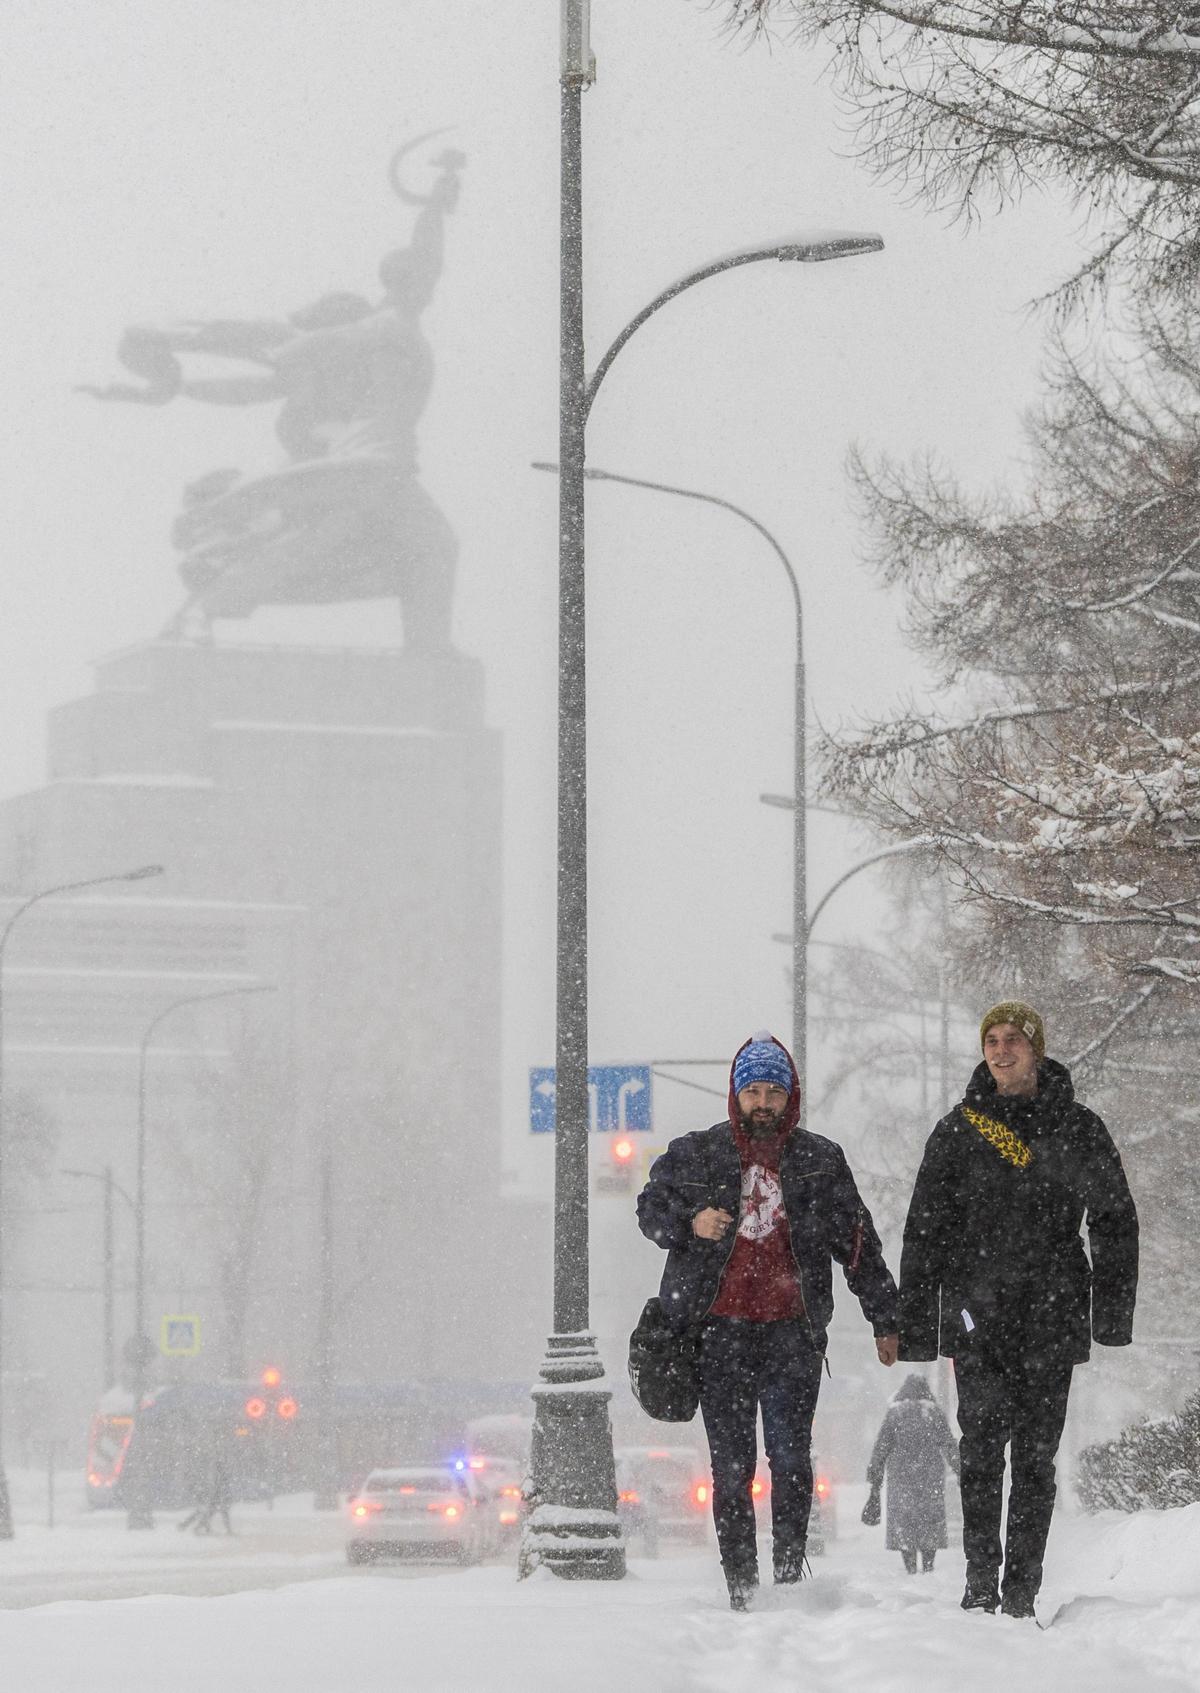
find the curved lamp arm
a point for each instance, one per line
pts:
(814, 248)
(917, 842)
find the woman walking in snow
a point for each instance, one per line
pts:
(913, 1447)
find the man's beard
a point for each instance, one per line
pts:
(762, 1121)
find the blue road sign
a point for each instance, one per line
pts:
(619, 1097)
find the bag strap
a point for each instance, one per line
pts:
(1010, 1146)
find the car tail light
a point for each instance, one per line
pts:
(629, 1497)
(477, 1463)
(700, 1493)
(821, 1487)
(256, 1408)
(365, 1507)
(510, 1493)
(406, 1490)
(507, 1518)
(450, 1512)
(286, 1408)
(445, 1507)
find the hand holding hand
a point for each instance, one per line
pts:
(887, 1347)
(711, 1224)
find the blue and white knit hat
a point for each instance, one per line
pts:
(762, 1059)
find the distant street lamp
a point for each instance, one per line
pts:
(799, 751)
(105, 1176)
(140, 1514)
(573, 1526)
(138, 875)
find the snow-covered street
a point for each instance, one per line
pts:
(284, 1610)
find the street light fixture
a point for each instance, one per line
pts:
(799, 749)
(573, 1527)
(140, 1515)
(139, 875)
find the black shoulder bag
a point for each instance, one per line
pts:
(664, 1367)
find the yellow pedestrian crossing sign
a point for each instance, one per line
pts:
(179, 1337)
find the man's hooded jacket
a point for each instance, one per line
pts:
(992, 1236)
(826, 1220)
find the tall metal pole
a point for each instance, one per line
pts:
(800, 864)
(571, 1044)
(138, 875)
(572, 1527)
(140, 1514)
(110, 1339)
(325, 1489)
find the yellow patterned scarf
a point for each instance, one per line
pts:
(1001, 1137)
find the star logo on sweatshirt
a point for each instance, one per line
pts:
(762, 1204)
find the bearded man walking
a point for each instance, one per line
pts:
(752, 1212)
(993, 1274)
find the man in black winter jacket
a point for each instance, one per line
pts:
(752, 1212)
(994, 1275)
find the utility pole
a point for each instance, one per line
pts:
(110, 1345)
(573, 1527)
(325, 1490)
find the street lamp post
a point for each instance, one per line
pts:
(140, 1514)
(105, 1176)
(799, 749)
(138, 875)
(573, 1527)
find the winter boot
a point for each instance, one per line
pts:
(791, 1566)
(742, 1585)
(1018, 1601)
(982, 1592)
(910, 1560)
(927, 1562)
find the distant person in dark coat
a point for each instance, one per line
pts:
(914, 1447)
(994, 1275)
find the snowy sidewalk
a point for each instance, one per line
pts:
(1130, 1622)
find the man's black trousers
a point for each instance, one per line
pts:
(1018, 1397)
(744, 1366)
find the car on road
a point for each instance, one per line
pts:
(421, 1511)
(667, 1493)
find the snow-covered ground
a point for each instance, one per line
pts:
(1124, 1593)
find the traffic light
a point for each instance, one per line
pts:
(618, 1165)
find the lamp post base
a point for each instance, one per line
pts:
(572, 1528)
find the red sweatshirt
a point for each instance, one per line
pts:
(760, 1282)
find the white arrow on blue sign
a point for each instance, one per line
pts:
(619, 1097)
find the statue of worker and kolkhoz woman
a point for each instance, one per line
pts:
(346, 517)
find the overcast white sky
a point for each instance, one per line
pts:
(195, 158)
